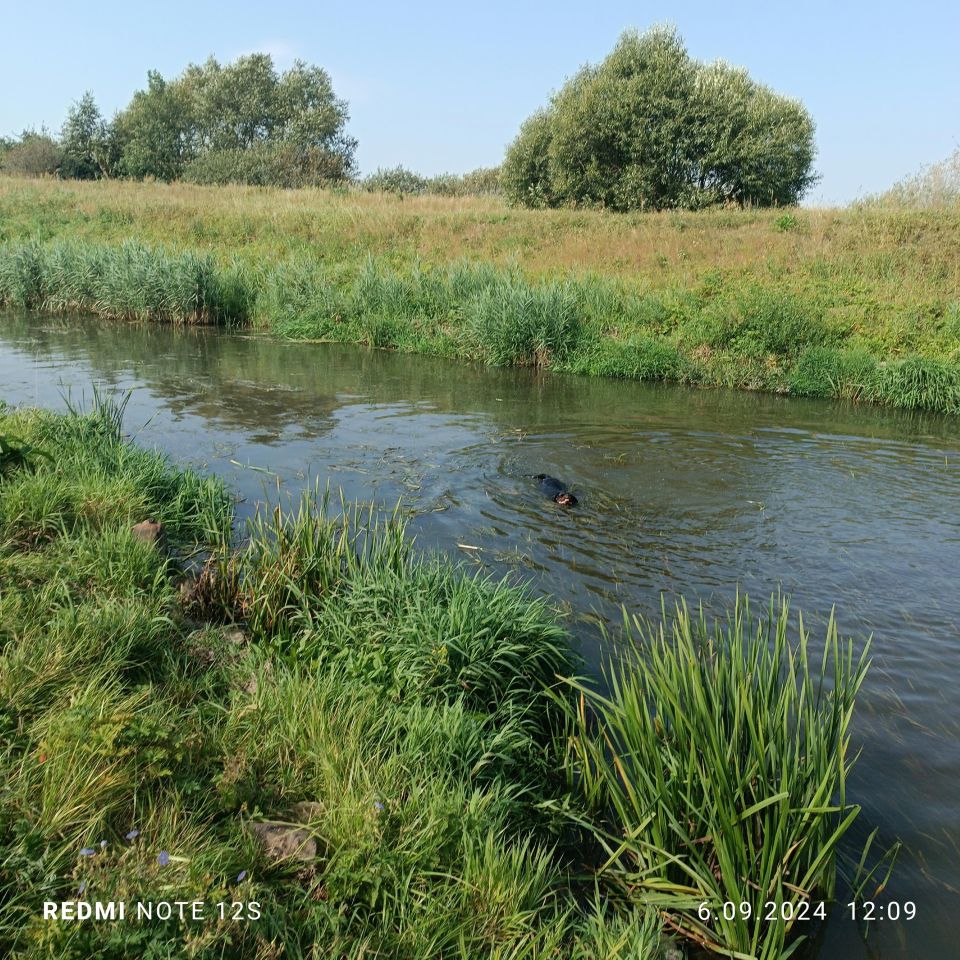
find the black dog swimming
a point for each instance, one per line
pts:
(556, 490)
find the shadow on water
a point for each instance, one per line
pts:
(682, 492)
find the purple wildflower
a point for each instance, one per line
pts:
(379, 807)
(241, 876)
(133, 834)
(163, 858)
(103, 844)
(87, 852)
(81, 888)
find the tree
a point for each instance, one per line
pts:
(35, 154)
(651, 128)
(240, 122)
(84, 141)
(155, 132)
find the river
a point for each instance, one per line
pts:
(682, 492)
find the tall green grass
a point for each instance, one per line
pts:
(130, 281)
(727, 331)
(716, 770)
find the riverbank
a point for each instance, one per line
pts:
(860, 304)
(388, 756)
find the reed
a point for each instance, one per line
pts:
(129, 282)
(716, 770)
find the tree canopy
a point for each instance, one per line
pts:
(652, 128)
(239, 122)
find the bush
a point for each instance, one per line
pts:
(484, 181)
(269, 165)
(33, 155)
(650, 128)
(395, 180)
(829, 372)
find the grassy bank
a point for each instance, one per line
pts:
(390, 757)
(860, 304)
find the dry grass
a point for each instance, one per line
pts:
(898, 252)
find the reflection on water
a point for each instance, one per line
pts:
(696, 493)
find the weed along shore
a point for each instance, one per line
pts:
(859, 304)
(319, 740)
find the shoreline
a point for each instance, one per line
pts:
(837, 309)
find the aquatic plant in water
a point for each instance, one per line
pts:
(715, 768)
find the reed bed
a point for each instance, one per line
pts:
(716, 768)
(126, 282)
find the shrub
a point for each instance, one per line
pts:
(395, 180)
(33, 155)
(484, 181)
(269, 165)
(650, 128)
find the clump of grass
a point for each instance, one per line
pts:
(717, 766)
(639, 358)
(344, 589)
(830, 372)
(918, 382)
(129, 281)
(515, 323)
(15, 454)
(756, 321)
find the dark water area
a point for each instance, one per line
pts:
(681, 493)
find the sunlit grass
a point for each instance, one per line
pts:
(858, 304)
(716, 768)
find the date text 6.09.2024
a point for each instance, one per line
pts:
(786, 912)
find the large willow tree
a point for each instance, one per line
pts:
(651, 128)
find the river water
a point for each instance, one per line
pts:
(682, 492)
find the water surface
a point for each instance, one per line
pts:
(682, 492)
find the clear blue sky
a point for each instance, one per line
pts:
(444, 86)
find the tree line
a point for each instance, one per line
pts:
(649, 128)
(239, 122)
